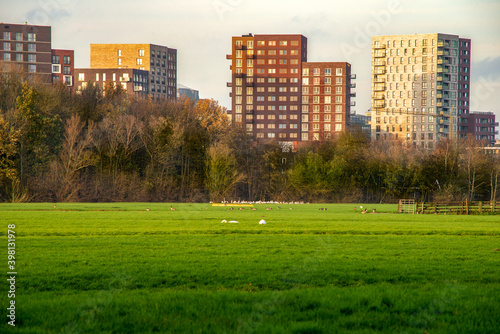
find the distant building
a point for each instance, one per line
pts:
(481, 125)
(26, 48)
(420, 86)
(277, 94)
(183, 91)
(160, 61)
(63, 67)
(361, 123)
(133, 81)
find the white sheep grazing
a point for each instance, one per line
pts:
(262, 222)
(231, 221)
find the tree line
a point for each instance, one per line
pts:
(104, 146)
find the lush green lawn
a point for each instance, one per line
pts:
(117, 268)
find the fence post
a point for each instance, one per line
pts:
(467, 206)
(480, 207)
(492, 206)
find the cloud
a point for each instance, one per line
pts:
(46, 15)
(489, 67)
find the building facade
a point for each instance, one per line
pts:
(135, 82)
(26, 48)
(183, 91)
(420, 86)
(63, 67)
(160, 61)
(480, 125)
(326, 99)
(276, 94)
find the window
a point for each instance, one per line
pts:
(6, 46)
(338, 81)
(67, 70)
(328, 71)
(19, 57)
(6, 56)
(119, 61)
(141, 53)
(32, 58)
(67, 60)
(31, 68)
(68, 80)
(19, 47)
(19, 36)
(139, 61)
(338, 71)
(31, 37)
(294, 52)
(6, 35)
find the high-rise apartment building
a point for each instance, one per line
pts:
(63, 67)
(160, 61)
(277, 94)
(420, 87)
(26, 48)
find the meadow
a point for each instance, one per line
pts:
(118, 268)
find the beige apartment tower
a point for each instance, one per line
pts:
(420, 87)
(160, 61)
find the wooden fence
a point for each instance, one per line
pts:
(457, 208)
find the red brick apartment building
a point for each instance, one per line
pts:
(277, 94)
(26, 48)
(63, 67)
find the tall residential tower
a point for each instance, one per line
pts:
(277, 94)
(420, 87)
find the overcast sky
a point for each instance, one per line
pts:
(201, 31)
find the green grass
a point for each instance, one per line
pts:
(117, 268)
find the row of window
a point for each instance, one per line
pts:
(19, 57)
(56, 68)
(7, 46)
(318, 81)
(317, 71)
(280, 43)
(31, 37)
(305, 90)
(66, 60)
(396, 119)
(67, 80)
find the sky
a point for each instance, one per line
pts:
(201, 31)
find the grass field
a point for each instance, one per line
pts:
(117, 268)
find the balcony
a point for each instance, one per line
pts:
(229, 56)
(125, 79)
(379, 62)
(229, 84)
(352, 104)
(379, 104)
(443, 52)
(239, 75)
(378, 96)
(440, 78)
(352, 95)
(240, 47)
(379, 54)
(379, 71)
(377, 79)
(353, 85)
(378, 46)
(352, 76)
(379, 87)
